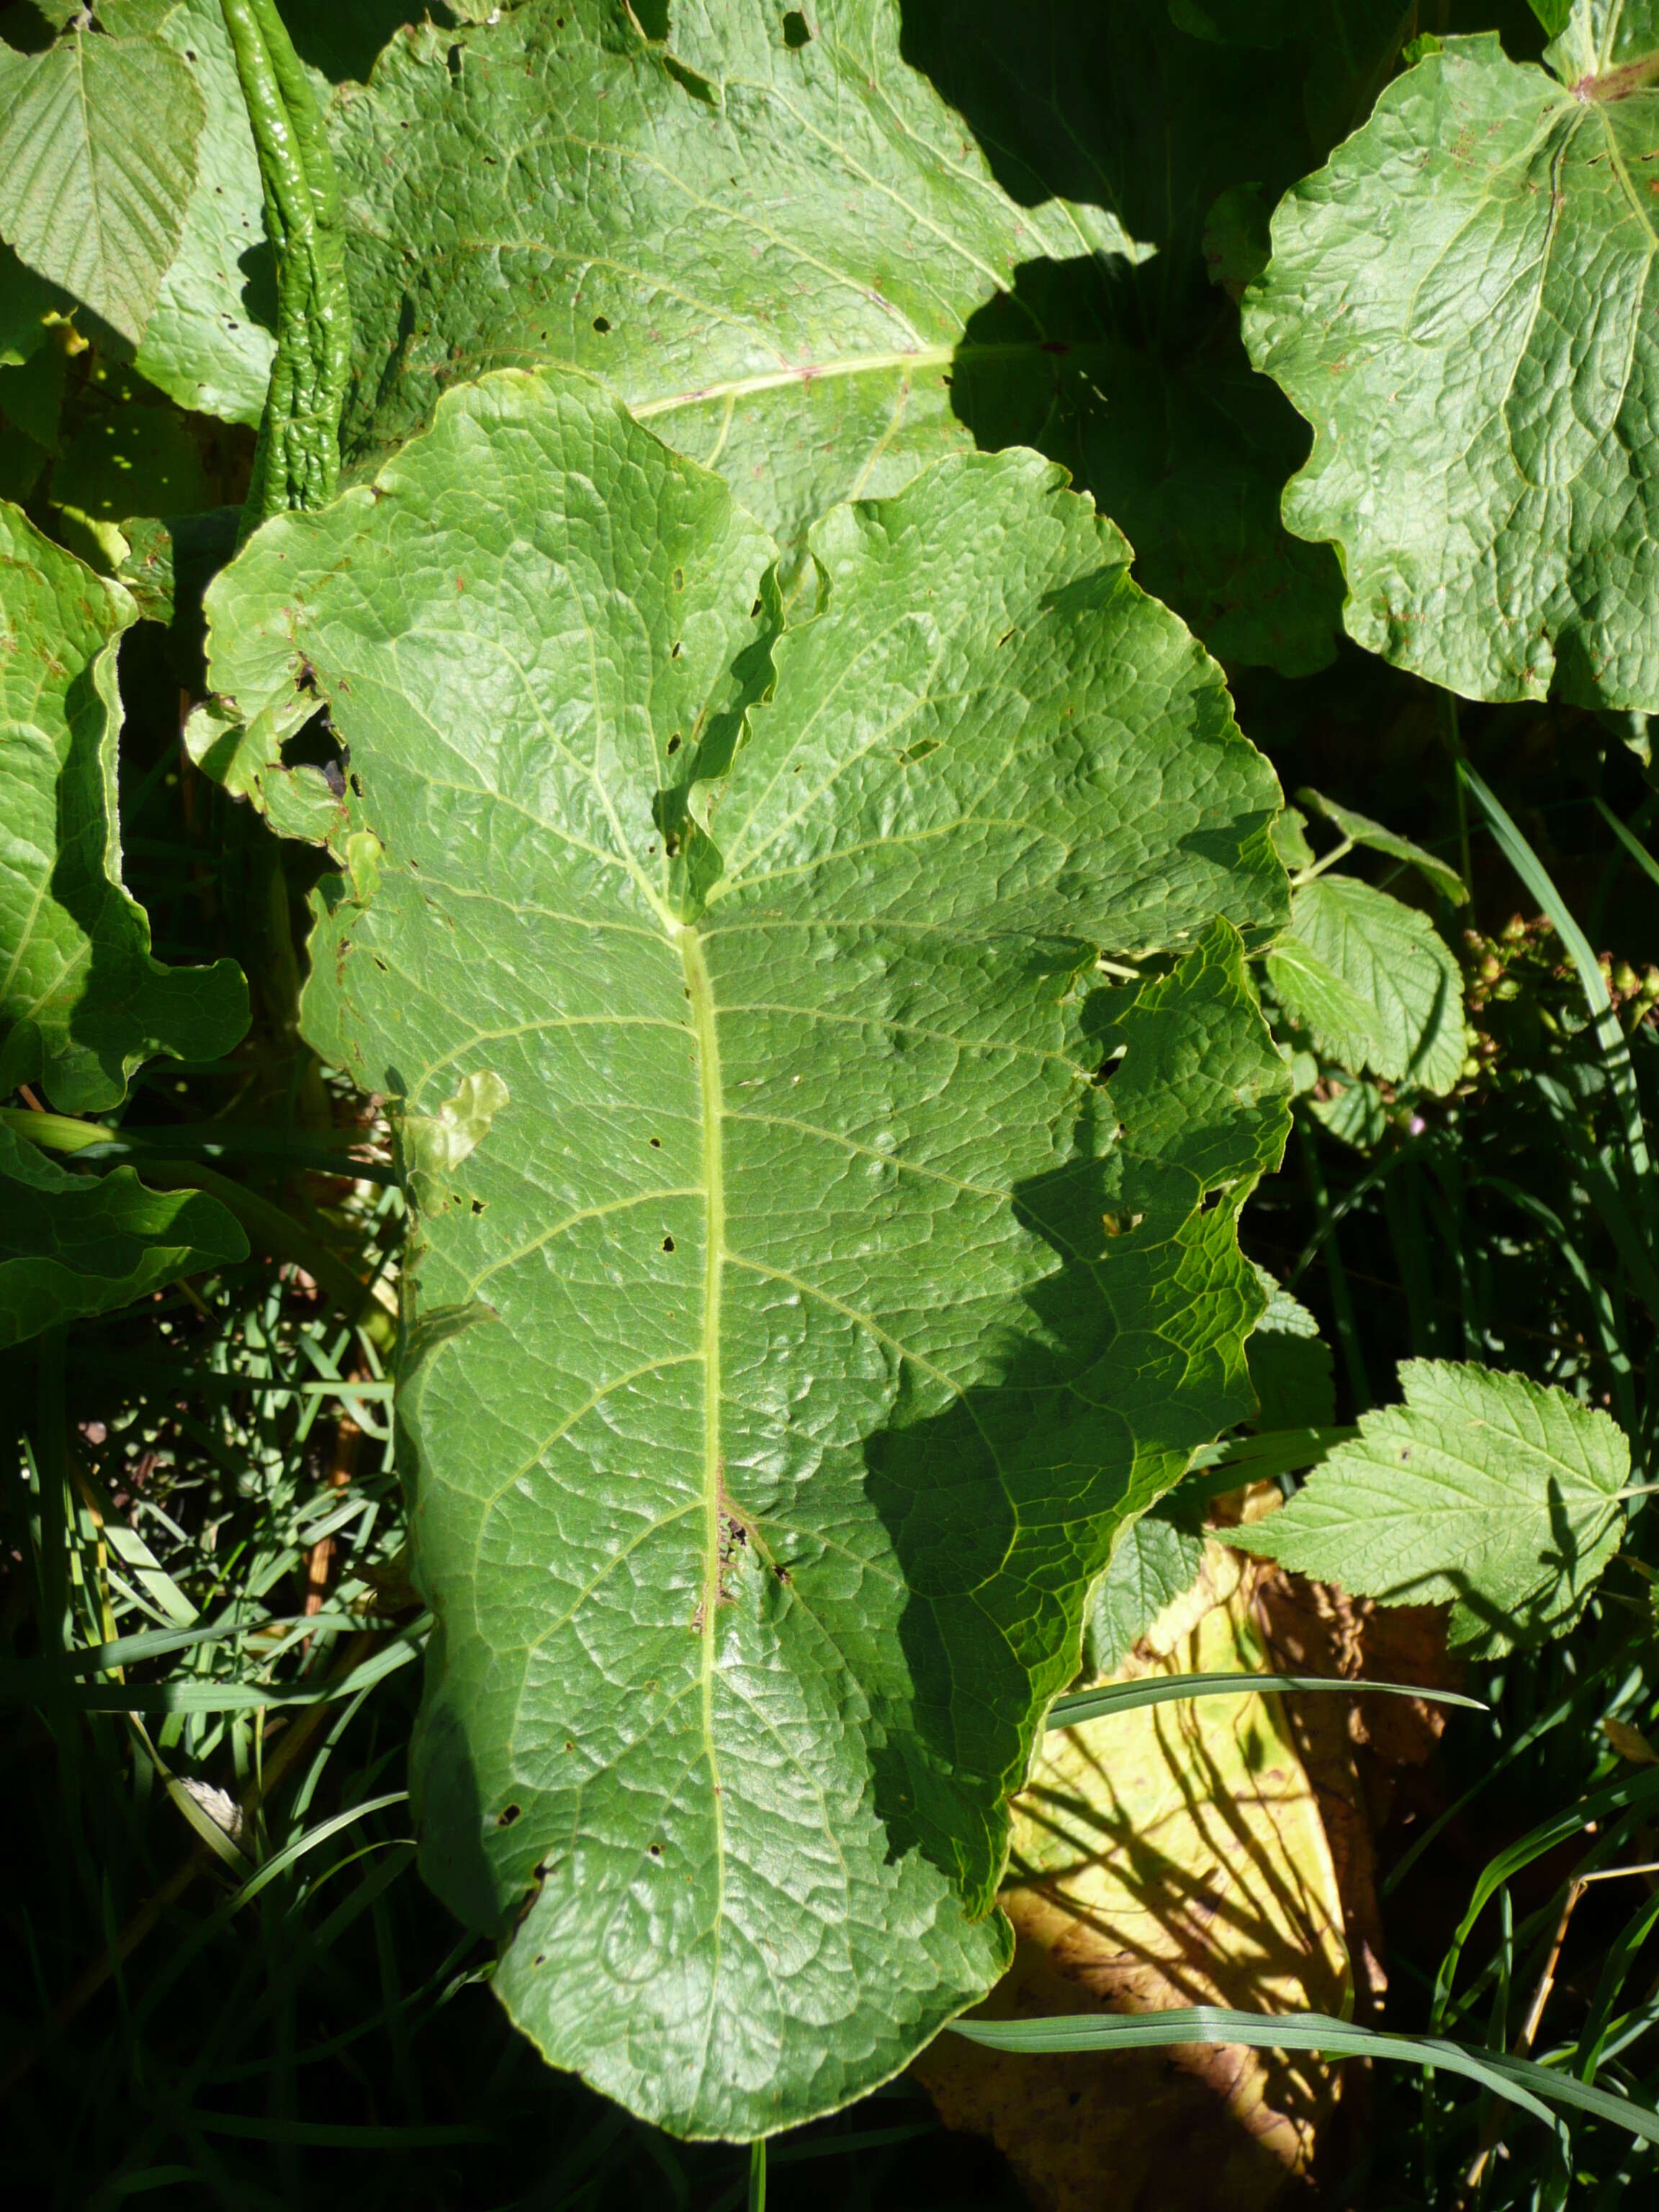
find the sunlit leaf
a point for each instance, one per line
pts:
(802, 1319)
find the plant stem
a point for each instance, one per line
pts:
(1342, 1303)
(1454, 746)
(296, 462)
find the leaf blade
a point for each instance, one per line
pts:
(97, 160)
(720, 1144)
(1487, 1489)
(82, 1001)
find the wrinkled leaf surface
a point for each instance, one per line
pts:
(1461, 304)
(800, 1317)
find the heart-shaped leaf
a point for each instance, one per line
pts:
(798, 1313)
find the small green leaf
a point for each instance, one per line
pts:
(97, 160)
(1360, 830)
(1290, 1364)
(1355, 1113)
(1462, 305)
(81, 1002)
(76, 1244)
(1372, 980)
(834, 1316)
(1488, 1489)
(1155, 1562)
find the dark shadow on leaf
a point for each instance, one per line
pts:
(1001, 1507)
(113, 1000)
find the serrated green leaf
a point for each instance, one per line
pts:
(76, 1244)
(1356, 1114)
(208, 343)
(1488, 1489)
(830, 1318)
(1360, 830)
(1156, 1561)
(1290, 1364)
(81, 1002)
(1373, 980)
(1459, 304)
(97, 160)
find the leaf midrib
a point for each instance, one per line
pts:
(700, 986)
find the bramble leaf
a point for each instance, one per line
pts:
(1155, 1562)
(1488, 1489)
(81, 1002)
(76, 1244)
(1373, 980)
(97, 161)
(1460, 305)
(1360, 830)
(830, 1315)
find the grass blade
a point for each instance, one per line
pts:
(1615, 1052)
(1519, 2081)
(1078, 1706)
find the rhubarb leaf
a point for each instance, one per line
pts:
(813, 1268)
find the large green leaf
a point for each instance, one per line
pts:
(797, 1318)
(77, 1244)
(794, 259)
(1484, 1488)
(770, 250)
(1461, 304)
(81, 1002)
(208, 344)
(1372, 979)
(97, 160)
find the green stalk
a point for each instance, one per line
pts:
(296, 462)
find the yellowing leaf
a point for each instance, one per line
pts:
(1167, 1856)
